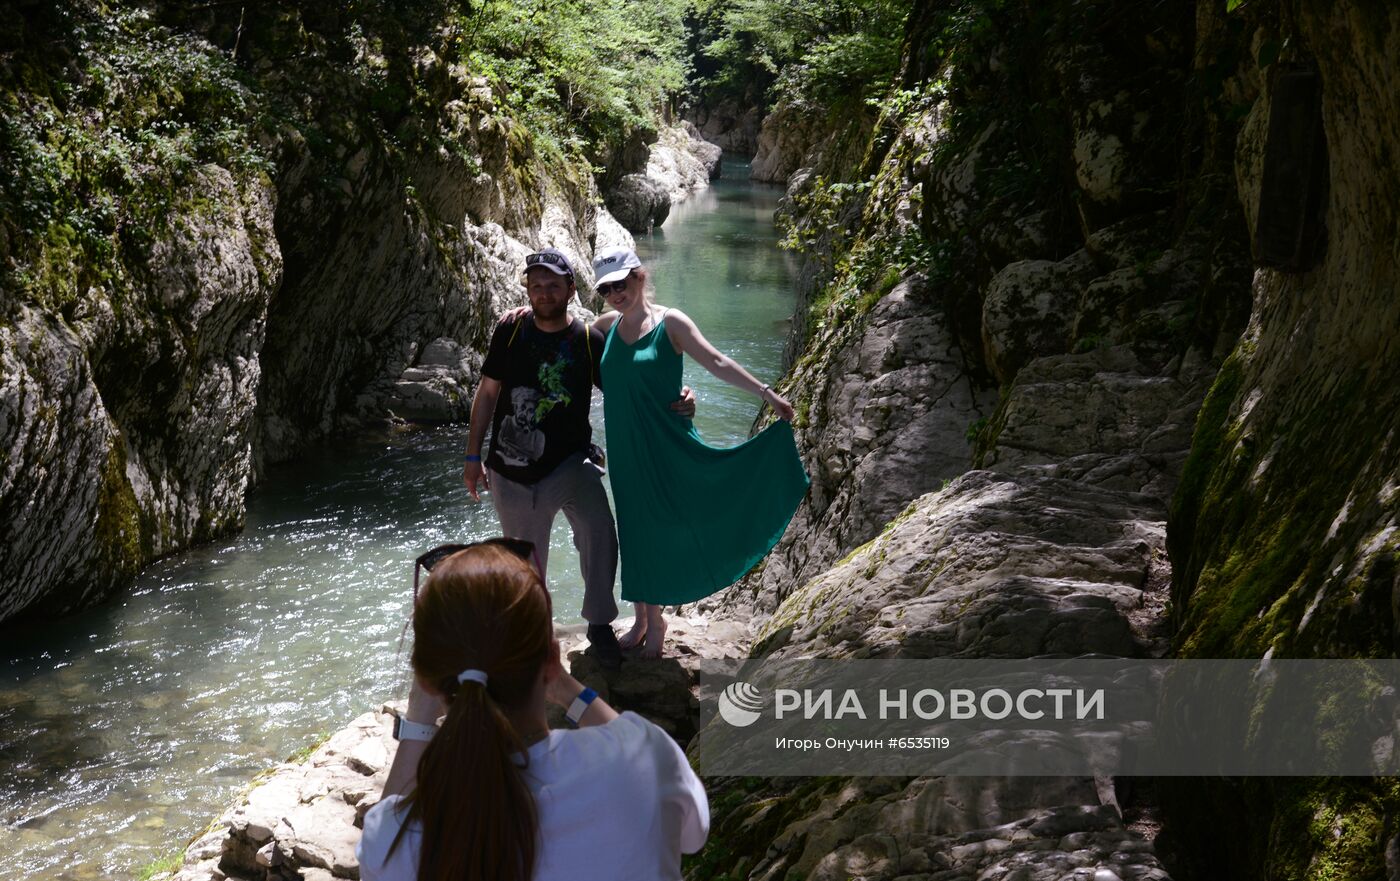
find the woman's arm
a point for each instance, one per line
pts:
(562, 691)
(687, 337)
(425, 709)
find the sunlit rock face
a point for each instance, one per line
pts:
(678, 163)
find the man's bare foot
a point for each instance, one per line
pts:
(656, 635)
(633, 638)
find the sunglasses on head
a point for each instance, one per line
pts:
(551, 259)
(612, 287)
(427, 560)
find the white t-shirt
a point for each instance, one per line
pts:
(615, 801)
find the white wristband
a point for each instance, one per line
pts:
(407, 730)
(580, 705)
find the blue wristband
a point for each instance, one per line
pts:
(580, 705)
(471, 458)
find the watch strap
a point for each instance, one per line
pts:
(405, 729)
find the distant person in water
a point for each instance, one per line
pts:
(535, 391)
(493, 793)
(691, 518)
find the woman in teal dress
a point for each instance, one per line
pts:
(691, 518)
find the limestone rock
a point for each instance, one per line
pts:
(611, 234)
(129, 424)
(682, 161)
(304, 819)
(786, 142)
(1028, 310)
(883, 415)
(638, 202)
(991, 566)
(678, 163)
(439, 387)
(933, 829)
(729, 126)
(1109, 417)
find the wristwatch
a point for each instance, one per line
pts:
(407, 730)
(580, 706)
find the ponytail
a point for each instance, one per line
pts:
(478, 817)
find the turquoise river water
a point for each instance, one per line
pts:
(124, 730)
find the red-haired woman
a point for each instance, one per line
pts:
(493, 793)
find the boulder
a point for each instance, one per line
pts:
(439, 387)
(1029, 310)
(991, 566)
(683, 162)
(639, 202)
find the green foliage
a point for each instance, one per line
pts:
(975, 429)
(825, 53)
(90, 161)
(578, 72)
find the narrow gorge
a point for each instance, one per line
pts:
(1094, 355)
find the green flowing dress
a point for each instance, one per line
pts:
(691, 518)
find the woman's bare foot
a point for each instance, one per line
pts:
(656, 632)
(633, 638)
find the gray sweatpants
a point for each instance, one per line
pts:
(576, 488)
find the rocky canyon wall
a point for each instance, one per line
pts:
(1126, 381)
(1284, 536)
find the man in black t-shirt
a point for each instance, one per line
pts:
(536, 386)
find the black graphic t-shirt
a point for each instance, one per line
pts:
(546, 380)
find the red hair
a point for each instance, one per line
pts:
(482, 608)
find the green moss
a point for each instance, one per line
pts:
(1331, 829)
(803, 412)
(747, 814)
(303, 753)
(1250, 532)
(161, 865)
(118, 527)
(984, 438)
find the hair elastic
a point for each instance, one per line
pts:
(474, 675)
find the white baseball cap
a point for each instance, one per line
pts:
(614, 264)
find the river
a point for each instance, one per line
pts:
(125, 729)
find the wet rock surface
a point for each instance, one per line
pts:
(639, 202)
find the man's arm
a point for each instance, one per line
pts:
(483, 407)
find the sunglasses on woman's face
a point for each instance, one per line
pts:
(426, 561)
(612, 287)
